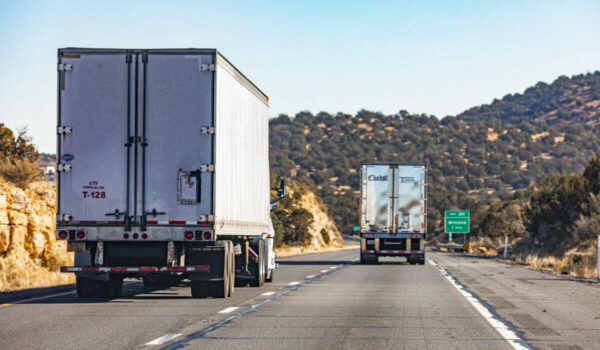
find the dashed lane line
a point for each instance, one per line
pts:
(293, 283)
(268, 293)
(181, 343)
(165, 338)
(228, 310)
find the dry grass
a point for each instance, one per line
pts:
(21, 173)
(577, 262)
(19, 272)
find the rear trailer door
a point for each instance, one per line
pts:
(376, 197)
(177, 152)
(410, 198)
(93, 99)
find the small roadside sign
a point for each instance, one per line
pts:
(457, 221)
(356, 228)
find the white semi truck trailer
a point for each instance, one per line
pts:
(393, 212)
(163, 170)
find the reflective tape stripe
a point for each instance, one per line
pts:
(177, 222)
(252, 253)
(202, 268)
(399, 252)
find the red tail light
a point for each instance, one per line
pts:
(207, 235)
(126, 235)
(135, 236)
(80, 235)
(144, 235)
(63, 234)
(189, 235)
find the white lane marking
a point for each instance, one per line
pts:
(310, 276)
(324, 270)
(268, 293)
(228, 309)
(293, 283)
(165, 338)
(511, 337)
(332, 267)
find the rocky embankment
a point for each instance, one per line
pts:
(322, 233)
(30, 256)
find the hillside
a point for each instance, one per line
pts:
(483, 154)
(302, 217)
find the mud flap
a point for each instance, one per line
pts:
(209, 255)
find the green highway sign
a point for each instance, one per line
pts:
(356, 228)
(457, 221)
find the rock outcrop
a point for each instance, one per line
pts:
(30, 255)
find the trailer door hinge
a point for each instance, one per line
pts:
(207, 130)
(65, 217)
(207, 66)
(62, 67)
(64, 167)
(64, 130)
(207, 168)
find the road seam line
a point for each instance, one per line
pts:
(495, 321)
(165, 338)
(228, 309)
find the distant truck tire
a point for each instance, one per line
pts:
(86, 287)
(257, 269)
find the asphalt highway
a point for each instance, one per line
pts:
(327, 301)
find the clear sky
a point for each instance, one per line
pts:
(434, 57)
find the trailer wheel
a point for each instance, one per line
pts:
(231, 269)
(111, 288)
(258, 269)
(116, 286)
(86, 287)
(220, 289)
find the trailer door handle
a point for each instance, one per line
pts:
(117, 213)
(154, 213)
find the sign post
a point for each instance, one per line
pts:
(456, 221)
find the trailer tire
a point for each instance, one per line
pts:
(220, 288)
(231, 269)
(86, 287)
(109, 289)
(258, 269)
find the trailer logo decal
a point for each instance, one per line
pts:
(67, 157)
(377, 178)
(93, 190)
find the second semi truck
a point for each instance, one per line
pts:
(393, 212)
(163, 170)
